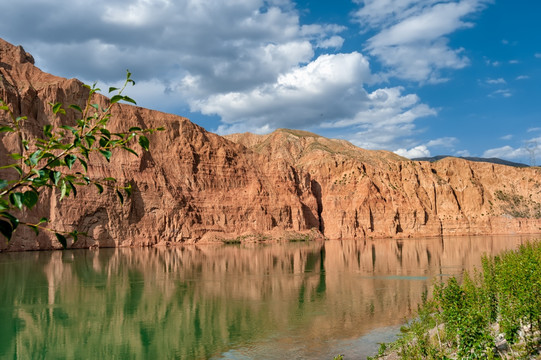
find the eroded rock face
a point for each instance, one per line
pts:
(376, 194)
(192, 186)
(195, 186)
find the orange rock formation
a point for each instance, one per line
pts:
(195, 186)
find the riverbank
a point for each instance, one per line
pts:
(493, 313)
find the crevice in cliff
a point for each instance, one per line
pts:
(398, 226)
(316, 190)
(435, 199)
(371, 216)
(456, 199)
(296, 180)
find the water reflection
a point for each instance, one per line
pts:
(301, 300)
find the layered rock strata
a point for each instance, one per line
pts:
(363, 193)
(195, 186)
(192, 186)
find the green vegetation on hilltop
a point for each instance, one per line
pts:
(496, 313)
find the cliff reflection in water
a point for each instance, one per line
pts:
(198, 302)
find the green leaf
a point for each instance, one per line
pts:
(56, 162)
(104, 142)
(12, 219)
(109, 179)
(3, 183)
(61, 146)
(84, 151)
(4, 205)
(129, 99)
(30, 198)
(63, 190)
(120, 197)
(90, 140)
(84, 164)
(107, 154)
(75, 235)
(70, 160)
(4, 107)
(55, 177)
(116, 99)
(47, 130)
(34, 228)
(128, 190)
(16, 156)
(6, 229)
(70, 128)
(62, 239)
(57, 108)
(43, 220)
(161, 128)
(75, 107)
(72, 188)
(20, 118)
(9, 166)
(95, 106)
(43, 177)
(6, 129)
(143, 141)
(111, 89)
(130, 150)
(16, 199)
(34, 158)
(134, 128)
(100, 188)
(106, 133)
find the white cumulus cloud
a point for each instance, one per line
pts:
(330, 87)
(506, 152)
(416, 152)
(412, 35)
(253, 64)
(496, 81)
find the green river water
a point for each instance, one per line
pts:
(257, 301)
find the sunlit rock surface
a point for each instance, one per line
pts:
(195, 186)
(364, 194)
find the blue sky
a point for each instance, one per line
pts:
(418, 77)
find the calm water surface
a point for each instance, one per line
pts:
(296, 301)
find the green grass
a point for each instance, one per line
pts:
(461, 320)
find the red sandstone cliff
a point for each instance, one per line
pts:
(365, 193)
(193, 185)
(197, 186)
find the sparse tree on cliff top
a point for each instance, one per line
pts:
(59, 160)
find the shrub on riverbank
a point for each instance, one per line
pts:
(496, 313)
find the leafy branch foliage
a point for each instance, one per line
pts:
(459, 322)
(59, 159)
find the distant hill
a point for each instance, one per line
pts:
(477, 159)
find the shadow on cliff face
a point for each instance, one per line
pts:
(316, 190)
(310, 220)
(137, 205)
